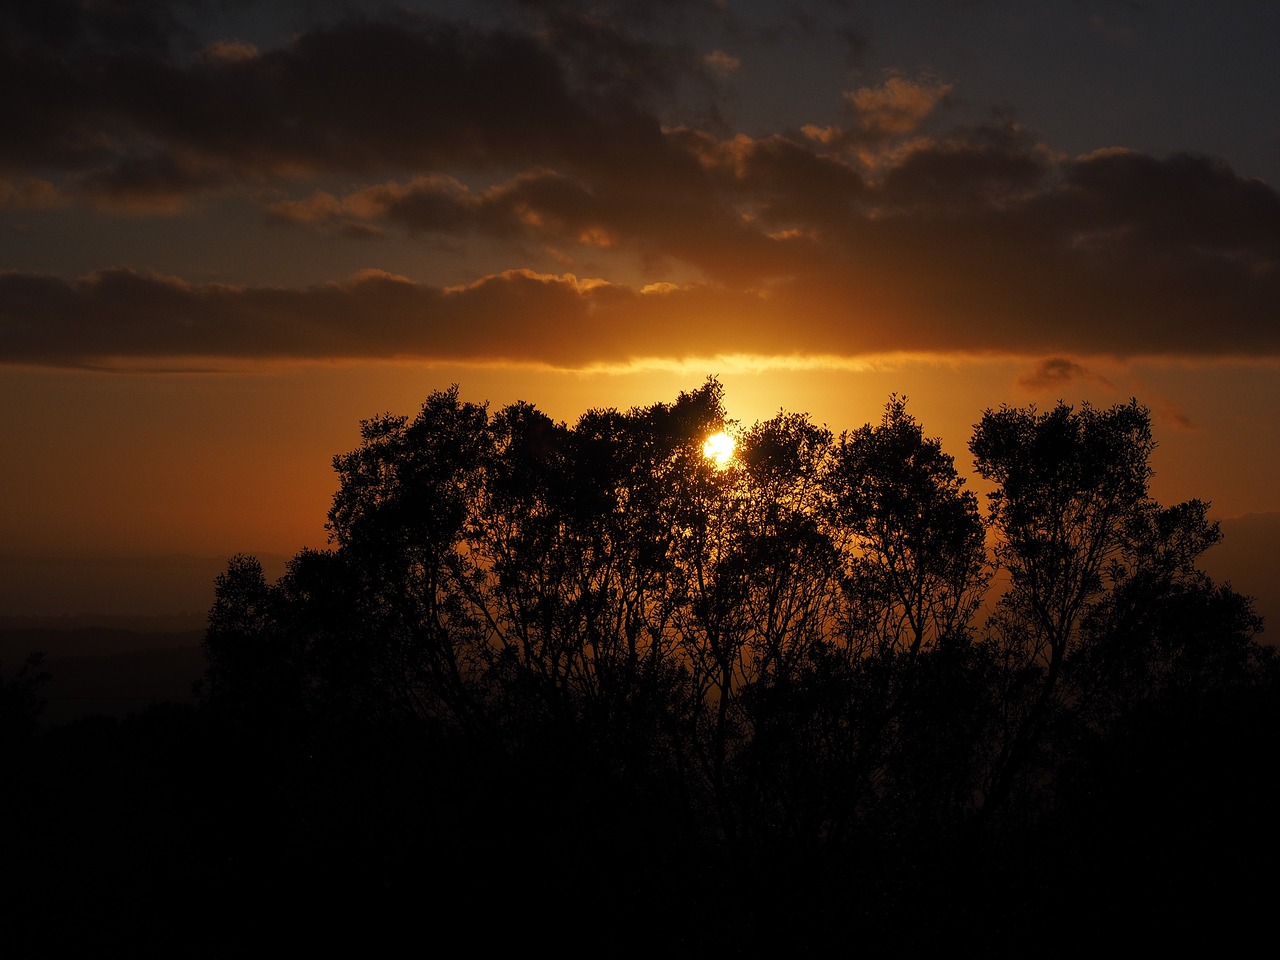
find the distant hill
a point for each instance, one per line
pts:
(105, 670)
(138, 592)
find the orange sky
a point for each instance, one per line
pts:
(141, 465)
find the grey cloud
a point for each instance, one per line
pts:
(980, 168)
(872, 238)
(1182, 200)
(1058, 371)
(122, 314)
(520, 316)
(363, 94)
(982, 240)
(517, 316)
(162, 183)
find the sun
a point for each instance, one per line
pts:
(719, 447)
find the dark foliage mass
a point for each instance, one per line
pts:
(579, 686)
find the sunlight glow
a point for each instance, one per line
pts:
(719, 447)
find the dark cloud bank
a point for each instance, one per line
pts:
(890, 231)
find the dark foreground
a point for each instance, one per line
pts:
(169, 833)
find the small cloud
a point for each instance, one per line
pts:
(823, 135)
(229, 51)
(1169, 412)
(320, 207)
(659, 288)
(30, 193)
(896, 107)
(376, 275)
(595, 236)
(1058, 371)
(722, 64)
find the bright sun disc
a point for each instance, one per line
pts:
(719, 447)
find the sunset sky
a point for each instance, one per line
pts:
(230, 231)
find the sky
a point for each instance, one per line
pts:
(230, 231)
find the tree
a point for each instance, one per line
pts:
(915, 556)
(776, 582)
(20, 700)
(400, 515)
(1096, 572)
(1163, 628)
(244, 667)
(914, 573)
(1068, 486)
(767, 662)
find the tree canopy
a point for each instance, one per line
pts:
(825, 645)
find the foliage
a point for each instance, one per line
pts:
(20, 700)
(781, 656)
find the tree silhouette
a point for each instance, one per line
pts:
(917, 567)
(399, 516)
(20, 701)
(1090, 557)
(767, 668)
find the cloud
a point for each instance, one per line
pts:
(539, 203)
(1170, 412)
(1181, 201)
(31, 193)
(896, 107)
(518, 316)
(976, 171)
(982, 239)
(162, 184)
(722, 64)
(522, 316)
(229, 51)
(883, 232)
(1058, 371)
(358, 95)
